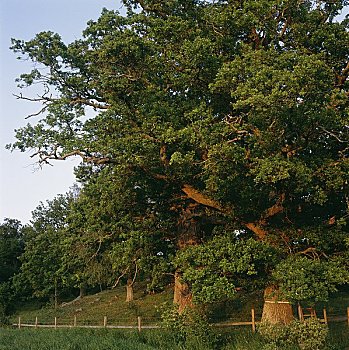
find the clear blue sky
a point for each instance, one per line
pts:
(22, 185)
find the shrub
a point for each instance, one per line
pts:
(310, 334)
(275, 334)
(189, 328)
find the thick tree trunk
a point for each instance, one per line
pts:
(182, 295)
(129, 290)
(276, 311)
(188, 232)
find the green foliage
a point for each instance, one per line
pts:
(11, 247)
(6, 301)
(42, 273)
(215, 269)
(308, 335)
(189, 328)
(276, 335)
(207, 117)
(304, 279)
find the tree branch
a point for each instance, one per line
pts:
(88, 102)
(273, 210)
(119, 278)
(343, 76)
(257, 230)
(200, 198)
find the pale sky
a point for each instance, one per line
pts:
(22, 185)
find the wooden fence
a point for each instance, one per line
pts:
(139, 325)
(311, 312)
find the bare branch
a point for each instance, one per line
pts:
(42, 110)
(119, 278)
(333, 135)
(88, 102)
(136, 272)
(45, 157)
(42, 98)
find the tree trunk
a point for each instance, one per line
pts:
(56, 295)
(276, 311)
(129, 290)
(82, 291)
(182, 295)
(188, 232)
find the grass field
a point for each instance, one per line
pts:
(91, 310)
(89, 339)
(44, 339)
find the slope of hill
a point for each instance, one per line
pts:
(93, 308)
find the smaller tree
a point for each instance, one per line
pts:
(11, 247)
(42, 274)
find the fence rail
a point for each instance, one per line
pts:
(139, 325)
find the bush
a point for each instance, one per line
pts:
(189, 328)
(310, 334)
(276, 335)
(4, 319)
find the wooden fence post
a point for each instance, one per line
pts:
(300, 313)
(36, 322)
(105, 321)
(19, 322)
(253, 321)
(55, 322)
(325, 316)
(348, 315)
(139, 323)
(74, 320)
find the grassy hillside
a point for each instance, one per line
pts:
(92, 308)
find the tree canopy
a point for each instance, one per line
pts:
(222, 121)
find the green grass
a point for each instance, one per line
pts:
(91, 309)
(69, 340)
(88, 339)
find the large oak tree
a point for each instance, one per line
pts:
(235, 111)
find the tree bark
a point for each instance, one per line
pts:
(182, 295)
(188, 234)
(82, 291)
(276, 311)
(56, 295)
(129, 290)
